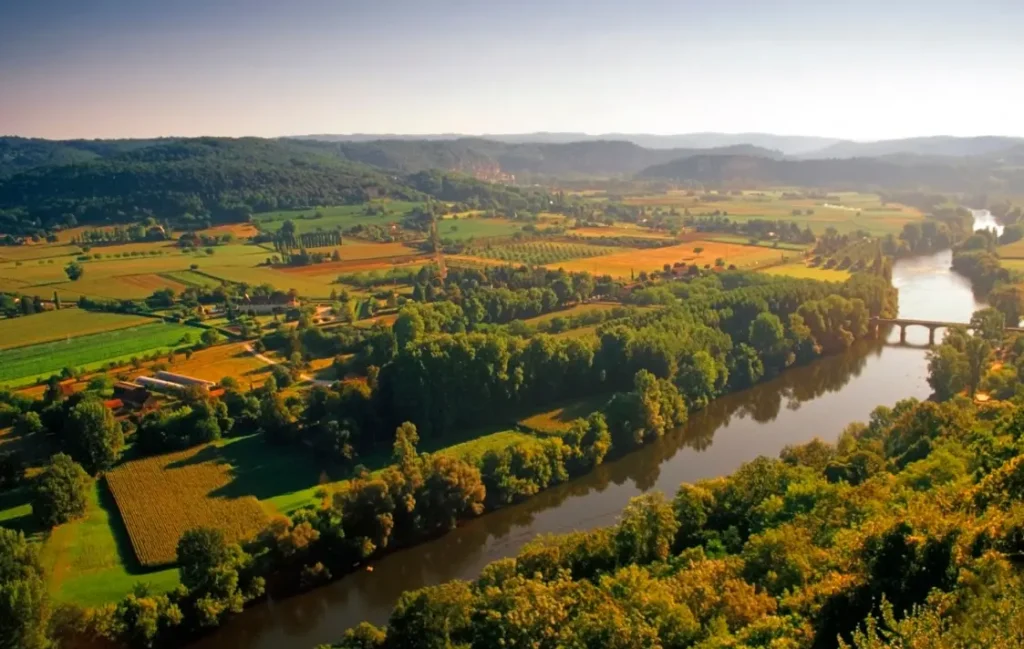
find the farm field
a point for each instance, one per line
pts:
(162, 497)
(627, 264)
(736, 238)
(57, 325)
(558, 419)
(125, 277)
(1013, 250)
(24, 365)
(353, 249)
(215, 363)
(36, 251)
(853, 211)
(1012, 264)
(462, 229)
(340, 217)
(192, 278)
(307, 285)
(802, 271)
(621, 230)
(539, 252)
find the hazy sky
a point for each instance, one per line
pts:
(863, 69)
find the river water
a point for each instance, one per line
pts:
(818, 400)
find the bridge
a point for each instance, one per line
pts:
(931, 325)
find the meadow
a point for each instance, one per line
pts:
(162, 497)
(1013, 250)
(628, 264)
(558, 419)
(57, 325)
(845, 211)
(24, 365)
(579, 309)
(476, 228)
(338, 217)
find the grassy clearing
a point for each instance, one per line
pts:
(89, 561)
(340, 217)
(24, 365)
(1013, 250)
(474, 450)
(628, 264)
(558, 419)
(845, 211)
(579, 309)
(160, 498)
(57, 325)
(461, 229)
(802, 271)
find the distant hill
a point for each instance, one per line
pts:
(21, 154)
(498, 160)
(942, 145)
(227, 178)
(786, 144)
(951, 174)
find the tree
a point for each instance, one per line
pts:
(646, 529)
(60, 491)
(74, 271)
(92, 436)
(978, 354)
(988, 323)
(215, 573)
(24, 604)
(1008, 299)
(209, 337)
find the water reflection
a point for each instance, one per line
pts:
(813, 401)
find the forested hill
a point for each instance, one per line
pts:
(488, 158)
(883, 173)
(227, 178)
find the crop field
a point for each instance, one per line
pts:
(579, 309)
(628, 264)
(621, 230)
(219, 361)
(353, 249)
(36, 252)
(192, 278)
(736, 238)
(802, 271)
(160, 498)
(461, 229)
(850, 211)
(540, 252)
(24, 365)
(57, 325)
(340, 217)
(306, 285)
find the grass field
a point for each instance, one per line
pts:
(621, 230)
(851, 211)
(539, 252)
(735, 238)
(461, 229)
(162, 497)
(558, 419)
(337, 217)
(474, 450)
(572, 311)
(24, 365)
(215, 363)
(1013, 250)
(803, 271)
(192, 278)
(627, 264)
(57, 325)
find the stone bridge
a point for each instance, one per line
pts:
(930, 325)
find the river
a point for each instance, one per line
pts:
(818, 400)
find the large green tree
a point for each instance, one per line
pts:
(60, 492)
(92, 436)
(24, 604)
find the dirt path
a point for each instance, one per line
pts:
(269, 361)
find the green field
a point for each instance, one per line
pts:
(579, 309)
(558, 419)
(192, 278)
(736, 238)
(539, 252)
(340, 217)
(461, 229)
(57, 325)
(24, 365)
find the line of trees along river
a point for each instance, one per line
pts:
(817, 400)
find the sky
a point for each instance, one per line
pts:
(865, 69)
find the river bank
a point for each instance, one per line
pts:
(817, 400)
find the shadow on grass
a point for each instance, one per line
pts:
(264, 471)
(122, 541)
(26, 523)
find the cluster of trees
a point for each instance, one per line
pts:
(962, 362)
(149, 230)
(907, 530)
(758, 229)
